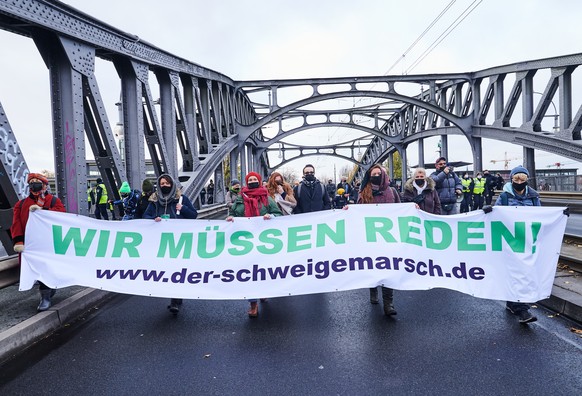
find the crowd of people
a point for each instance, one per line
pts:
(437, 193)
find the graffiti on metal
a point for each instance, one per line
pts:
(12, 164)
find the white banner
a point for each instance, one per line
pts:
(508, 254)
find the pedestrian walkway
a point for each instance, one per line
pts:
(21, 325)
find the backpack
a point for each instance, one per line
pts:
(505, 199)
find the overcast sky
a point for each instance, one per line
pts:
(268, 39)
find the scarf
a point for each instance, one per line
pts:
(252, 198)
(419, 190)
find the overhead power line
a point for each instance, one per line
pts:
(444, 35)
(443, 12)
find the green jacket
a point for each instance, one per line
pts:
(238, 208)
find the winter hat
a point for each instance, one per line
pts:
(38, 176)
(340, 191)
(519, 169)
(234, 181)
(124, 189)
(147, 186)
(99, 180)
(253, 174)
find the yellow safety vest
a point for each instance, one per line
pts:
(89, 195)
(479, 186)
(103, 194)
(466, 184)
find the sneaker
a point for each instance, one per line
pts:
(174, 307)
(524, 316)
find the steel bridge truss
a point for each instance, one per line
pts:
(206, 120)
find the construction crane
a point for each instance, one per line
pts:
(506, 161)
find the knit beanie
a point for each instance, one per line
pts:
(38, 176)
(124, 189)
(253, 174)
(519, 169)
(234, 181)
(147, 186)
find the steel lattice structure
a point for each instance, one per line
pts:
(207, 118)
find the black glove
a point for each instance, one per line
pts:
(567, 212)
(487, 208)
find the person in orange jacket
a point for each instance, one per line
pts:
(38, 198)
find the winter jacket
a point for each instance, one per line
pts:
(238, 208)
(446, 184)
(311, 197)
(530, 198)
(156, 209)
(428, 201)
(22, 211)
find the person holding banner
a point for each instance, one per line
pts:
(169, 203)
(421, 190)
(516, 192)
(376, 190)
(281, 192)
(253, 201)
(38, 198)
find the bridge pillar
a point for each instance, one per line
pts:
(66, 76)
(477, 149)
(421, 153)
(530, 164)
(444, 150)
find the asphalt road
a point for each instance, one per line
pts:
(440, 343)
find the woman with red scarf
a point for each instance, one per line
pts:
(38, 198)
(376, 189)
(253, 201)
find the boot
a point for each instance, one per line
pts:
(373, 295)
(175, 304)
(388, 301)
(45, 299)
(253, 310)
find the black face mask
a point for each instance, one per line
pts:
(310, 178)
(253, 185)
(124, 195)
(518, 186)
(279, 182)
(419, 182)
(375, 180)
(166, 189)
(35, 186)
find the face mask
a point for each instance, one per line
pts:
(466, 177)
(478, 177)
(236, 190)
(279, 182)
(253, 185)
(124, 195)
(518, 186)
(35, 186)
(310, 177)
(419, 182)
(166, 189)
(375, 180)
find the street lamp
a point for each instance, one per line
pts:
(556, 116)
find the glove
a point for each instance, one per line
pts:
(34, 207)
(487, 208)
(19, 247)
(567, 212)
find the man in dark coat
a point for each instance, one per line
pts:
(310, 194)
